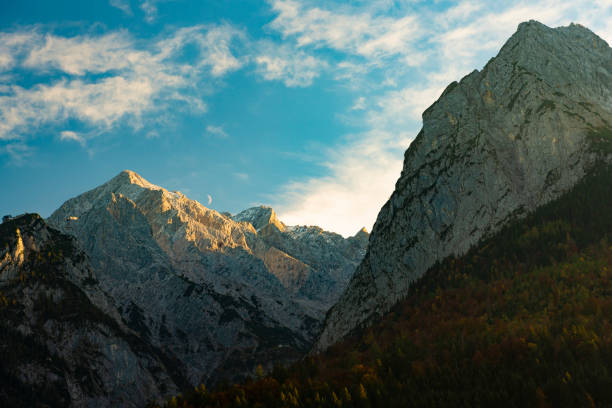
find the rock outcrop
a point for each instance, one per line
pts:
(495, 146)
(220, 295)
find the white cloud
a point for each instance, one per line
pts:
(397, 109)
(12, 45)
(361, 177)
(214, 44)
(350, 31)
(123, 5)
(137, 81)
(17, 151)
(149, 8)
(241, 176)
(101, 103)
(293, 67)
(72, 136)
(216, 131)
(215, 47)
(83, 54)
(209, 198)
(359, 104)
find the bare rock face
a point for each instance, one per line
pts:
(260, 217)
(495, 146)
(308, 261)
(209, 290)
(63, 341)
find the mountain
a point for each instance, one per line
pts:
(221, 295)
(493, 148)
(63, 341)
(520, 320)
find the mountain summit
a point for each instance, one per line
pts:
(218, 295)
(495, 146)
(260, 217)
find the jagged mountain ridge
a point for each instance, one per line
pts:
(65, 343)
(200, 286)
(494, 147)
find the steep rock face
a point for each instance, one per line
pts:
(495, 146)
(309, 261)
(193, 282)
(63, 341)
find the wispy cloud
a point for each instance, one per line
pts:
(149, 9)
(83, 54)
(102, 103)
(72, 136)
(214, 44)
(17, 152)
(360, 103)
(123, 5)
(216, 131)
(241, 176)
(137, 81)
(294, 68)
(349, 31)
(13, 45)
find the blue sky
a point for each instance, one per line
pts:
(303, 105)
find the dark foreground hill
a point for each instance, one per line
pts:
(62, 340)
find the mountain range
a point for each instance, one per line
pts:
(487, 276)
(214, 296)
(505, 189)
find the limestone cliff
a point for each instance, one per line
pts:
(494, 146)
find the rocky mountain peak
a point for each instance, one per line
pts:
(129, 181)
(362, 232)
(573, 60)
(362, 236)
(531, 32)
(184, 275)
(260, 217)
(495, 146)
(131, 177)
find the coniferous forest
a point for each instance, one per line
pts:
(521, 320)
